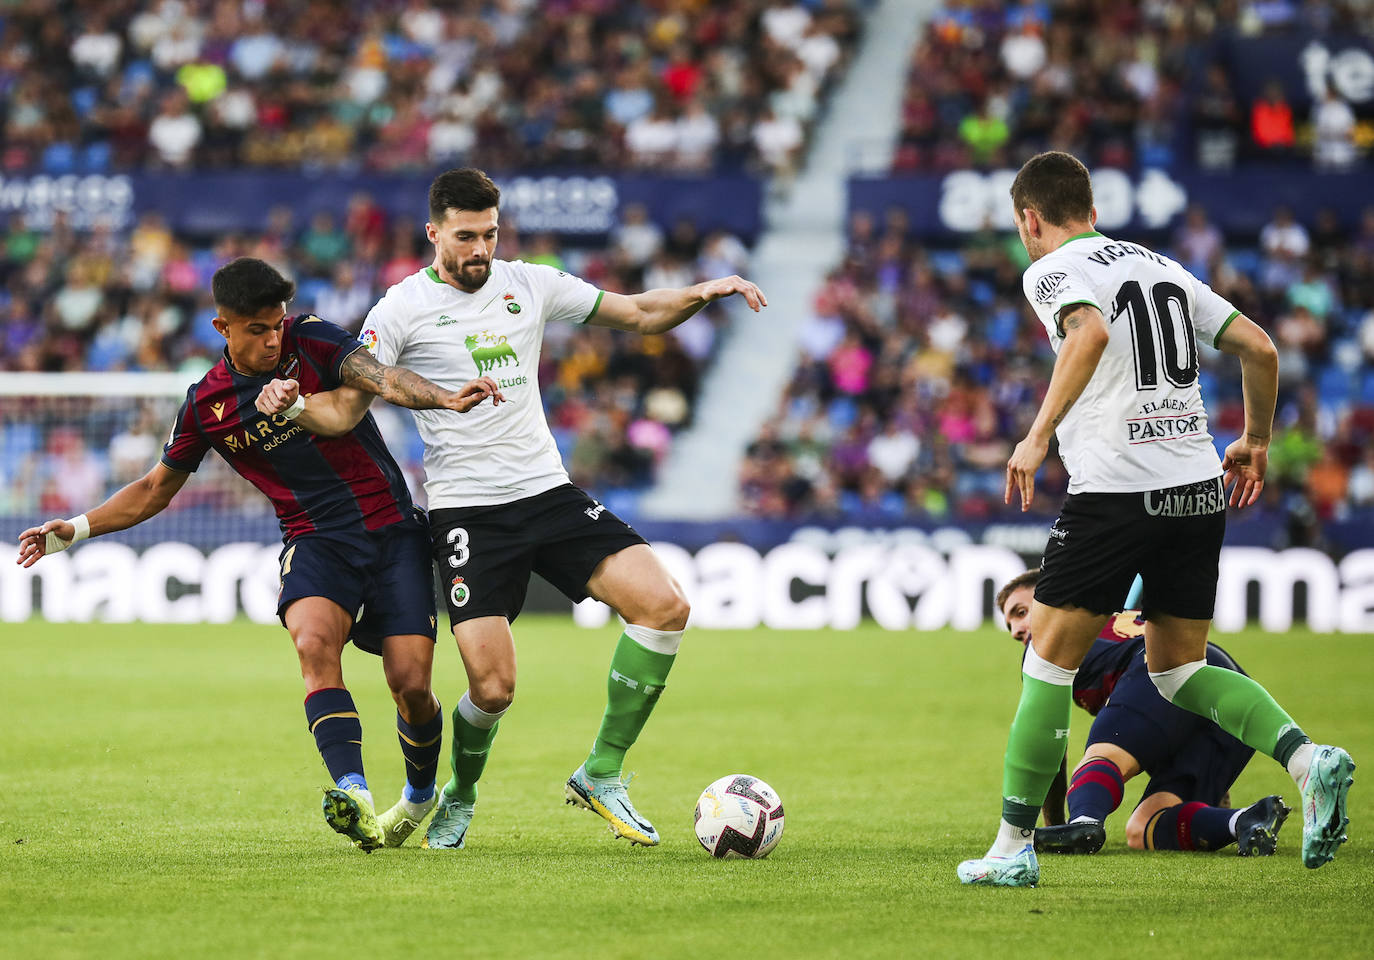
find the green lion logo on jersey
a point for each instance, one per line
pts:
(494, 351)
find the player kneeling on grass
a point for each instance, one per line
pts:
(1136, 730)
(1147, 495)
(501, 504)
(356, 559)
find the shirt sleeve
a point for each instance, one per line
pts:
(1212, 313)
(186, 445)
(328, 344)
(382, 333)
(566, 297)
(1050, 287)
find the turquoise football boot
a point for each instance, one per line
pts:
(1324, 792)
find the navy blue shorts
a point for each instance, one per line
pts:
(385, 578)
(1182, 752)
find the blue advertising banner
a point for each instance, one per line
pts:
(210, 203)
(1305, 65)
(1237, 202)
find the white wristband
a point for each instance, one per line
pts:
(296, 409)
(52, 543)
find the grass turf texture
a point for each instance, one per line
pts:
(159, 796)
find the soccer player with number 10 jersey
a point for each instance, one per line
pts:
(1147, 495)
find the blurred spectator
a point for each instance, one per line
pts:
(1271, 121)
(405, 85)
(1333, 133)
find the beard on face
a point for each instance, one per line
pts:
(470, 275)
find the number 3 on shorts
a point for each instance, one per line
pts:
(458, 538)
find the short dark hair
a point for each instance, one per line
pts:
(1056, 186)
(247, 286)
(465, 188)
(1028, 579)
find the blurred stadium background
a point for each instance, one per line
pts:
(840, 455)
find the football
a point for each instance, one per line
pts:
(739, 816)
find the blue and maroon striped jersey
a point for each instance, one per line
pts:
(315, 483)
(1121, 641)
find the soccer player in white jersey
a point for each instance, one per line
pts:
(501, 505)
(1147, 495)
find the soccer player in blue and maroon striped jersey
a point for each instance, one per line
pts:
(356, 559)
(1191, 761)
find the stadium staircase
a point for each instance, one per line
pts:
(802, 240)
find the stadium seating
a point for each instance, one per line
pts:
(922, 364)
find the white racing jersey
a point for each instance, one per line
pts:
(489, 455)
(1140, 423)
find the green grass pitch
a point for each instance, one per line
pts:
(159, 797)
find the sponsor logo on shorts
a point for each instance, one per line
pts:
(595, 510)
(1058, 533)
(1197, 500)
(459, 593)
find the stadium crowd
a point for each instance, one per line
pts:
(921, 368)
(1119, 84)
(101, 301)
(94, 85)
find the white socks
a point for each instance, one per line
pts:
(475, 715)
(1300, 761)
(1010, 840)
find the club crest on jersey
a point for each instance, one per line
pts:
(459, 593)
(1048, 285)
(489, 351)
(291, 367)
(369, 339)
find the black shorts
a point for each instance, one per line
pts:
(1182, 753)
(383, 577)
(1172, 538)
(486, 554)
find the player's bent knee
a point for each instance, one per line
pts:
(492, 696)
(670, 610)
(1135, 836)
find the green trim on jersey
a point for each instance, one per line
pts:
(1216, 341)
(1081, 236)
(433, 275)
(1058, 324)
(596, 306)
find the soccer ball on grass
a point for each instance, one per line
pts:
(739, 816)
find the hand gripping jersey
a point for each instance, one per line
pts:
(1140, 423)
(315, 483)
(490, 455)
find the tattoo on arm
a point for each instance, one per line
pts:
(1257, 437)
(1063, 412)
(393, 384)
(1072, 318)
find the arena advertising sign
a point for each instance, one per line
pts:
(966, 201)
(86, 201)
(568, 204)
(1306, 66)
(938, 584)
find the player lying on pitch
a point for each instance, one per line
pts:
(1136, 730)
(356, 560)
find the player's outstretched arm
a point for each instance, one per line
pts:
(1085, 337)
(128, 507)
(335, 412)
(658, 311)
(1247, 459)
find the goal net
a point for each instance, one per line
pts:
(68, 441)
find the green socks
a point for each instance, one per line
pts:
(473, 731)
(1238, 705)
(639, 670)
(1035, 747)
